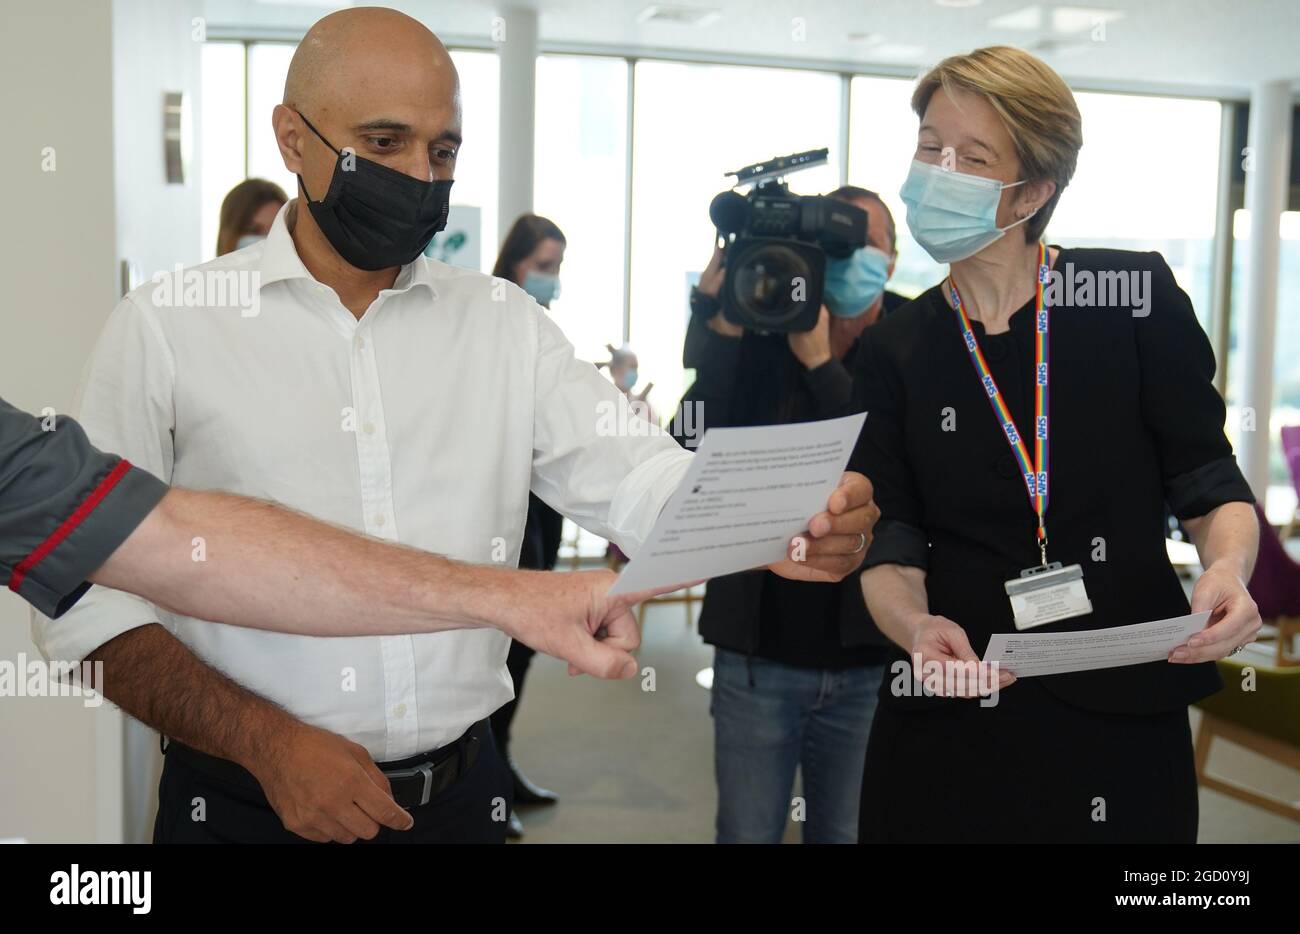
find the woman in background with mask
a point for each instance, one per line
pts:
(247, 213)
(797, 665)
(530, 257)
(1092, 355)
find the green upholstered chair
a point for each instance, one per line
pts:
(1265, 720)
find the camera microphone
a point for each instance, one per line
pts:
(729, 212)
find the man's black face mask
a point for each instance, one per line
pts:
(377, 217)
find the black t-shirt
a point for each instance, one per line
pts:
(799, 625)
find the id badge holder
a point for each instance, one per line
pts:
(1046, 594)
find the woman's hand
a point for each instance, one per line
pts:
(944, 662)
(1234, 617)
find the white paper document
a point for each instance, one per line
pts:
(1030, 654)
(746, 494)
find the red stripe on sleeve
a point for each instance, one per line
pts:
(69, 525)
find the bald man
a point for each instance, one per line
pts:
(377, 389)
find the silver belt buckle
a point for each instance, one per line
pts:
(424, 769)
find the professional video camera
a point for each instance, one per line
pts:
(777, 245)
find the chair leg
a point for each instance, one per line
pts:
(1291, 524)
(1288, 628)
(1212, 727)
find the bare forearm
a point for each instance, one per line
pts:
(151, 675)
(1229, 536)
(895, 596)
(249, 563)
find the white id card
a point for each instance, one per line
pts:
(1046, 594)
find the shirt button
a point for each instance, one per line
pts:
(369, 428)
(399, 711)
(361, 343)
(380, 520)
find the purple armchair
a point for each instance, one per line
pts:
(1275, 587)
(1291, 452)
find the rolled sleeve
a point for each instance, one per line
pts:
(595, 459)
(65, 507)
(1181, 407)
(895, 542)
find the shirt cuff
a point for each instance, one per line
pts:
(54, 577)
(896, 542)
(1209, 486)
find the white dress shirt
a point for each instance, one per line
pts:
(425, 422)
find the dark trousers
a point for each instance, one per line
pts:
(469, 811)
(517, 663)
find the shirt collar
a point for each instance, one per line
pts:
(280, 259)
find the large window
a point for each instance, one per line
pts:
(882, 142)
(1281, 502)
(581, 183)
(223, 147)
(1146, 180)
(693, 123)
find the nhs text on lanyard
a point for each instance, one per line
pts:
(1049, 592)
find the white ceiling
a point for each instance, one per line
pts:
(1218, 47)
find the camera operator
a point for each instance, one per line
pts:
(797, 665)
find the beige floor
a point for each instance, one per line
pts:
(636, 765)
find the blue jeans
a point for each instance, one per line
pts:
(806, 718)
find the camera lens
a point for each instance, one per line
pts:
(764, 283)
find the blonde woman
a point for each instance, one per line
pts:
(960, 386)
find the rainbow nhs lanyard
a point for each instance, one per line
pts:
(1034, 472)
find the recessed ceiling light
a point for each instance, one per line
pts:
(866, 38)
(1030, 17)
(1080, 18)
(957, 4)
(896, 51)
(1065, 19)
(678, 15)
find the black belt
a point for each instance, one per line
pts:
(414, 781)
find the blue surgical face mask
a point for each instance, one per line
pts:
(853, 284)
(248, 240)
(953, 215)
(629, 380)
(542, 286)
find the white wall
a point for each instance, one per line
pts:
(85, 77)
(155, 50)
(57, 251)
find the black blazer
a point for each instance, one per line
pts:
(1135, 423)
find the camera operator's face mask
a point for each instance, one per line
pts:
(853, 284)
(543, 287)
(374, 216)
(951, 214)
